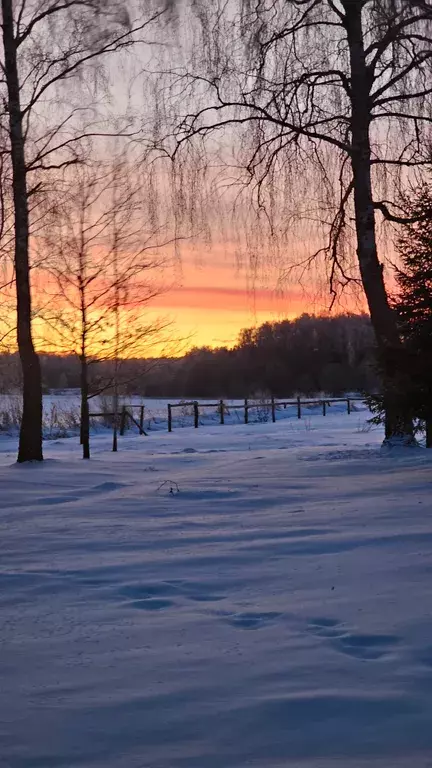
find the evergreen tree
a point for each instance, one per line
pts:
(413, 306)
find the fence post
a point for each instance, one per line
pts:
(298, 407)
(123, 420)
(222, 412)
(348, 406)
(141, 421)
(196, 414)
(115, 426)
(273, 409)
(246, 419)
(324, 407)
(169, 418)
(428, 433)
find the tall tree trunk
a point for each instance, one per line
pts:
(428, 433)
(30, 442)
(117, 338)
(371, 270)
(85, 416)
(115, 424)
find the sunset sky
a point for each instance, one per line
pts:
(206, 298)
(212, 299)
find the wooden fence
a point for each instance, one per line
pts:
(125, 413)
(248, 405)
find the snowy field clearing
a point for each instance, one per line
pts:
(275, 611)
(61, 412)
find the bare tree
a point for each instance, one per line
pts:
(334, 94)
(50, 47)
(102, 262)
(136, 255)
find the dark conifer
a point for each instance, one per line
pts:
(413, 305)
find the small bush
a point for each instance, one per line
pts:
(10, 412)
(261, 403)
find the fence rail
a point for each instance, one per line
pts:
(125, 413)
(248, 405)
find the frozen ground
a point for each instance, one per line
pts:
(275, 611)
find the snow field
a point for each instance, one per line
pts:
(61, 413)
(240, 596)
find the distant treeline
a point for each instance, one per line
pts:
(307, 355)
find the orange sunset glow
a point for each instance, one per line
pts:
(204, 300)
(214, 316)
(210, 303)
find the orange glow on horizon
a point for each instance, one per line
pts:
(214, 304)
(208, 302)
(215, 316)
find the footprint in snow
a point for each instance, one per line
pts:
(367, 647)
(148, 591)
(158, 595)
(149, 597)
(108, 486)
(151, 604)
(324, 627)
(250, 620)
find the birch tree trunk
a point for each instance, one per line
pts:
(85, 416)
(382, 316)
(30, 442)
(84, 383)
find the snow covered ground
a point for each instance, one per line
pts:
(230, 596)
(61, 412)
